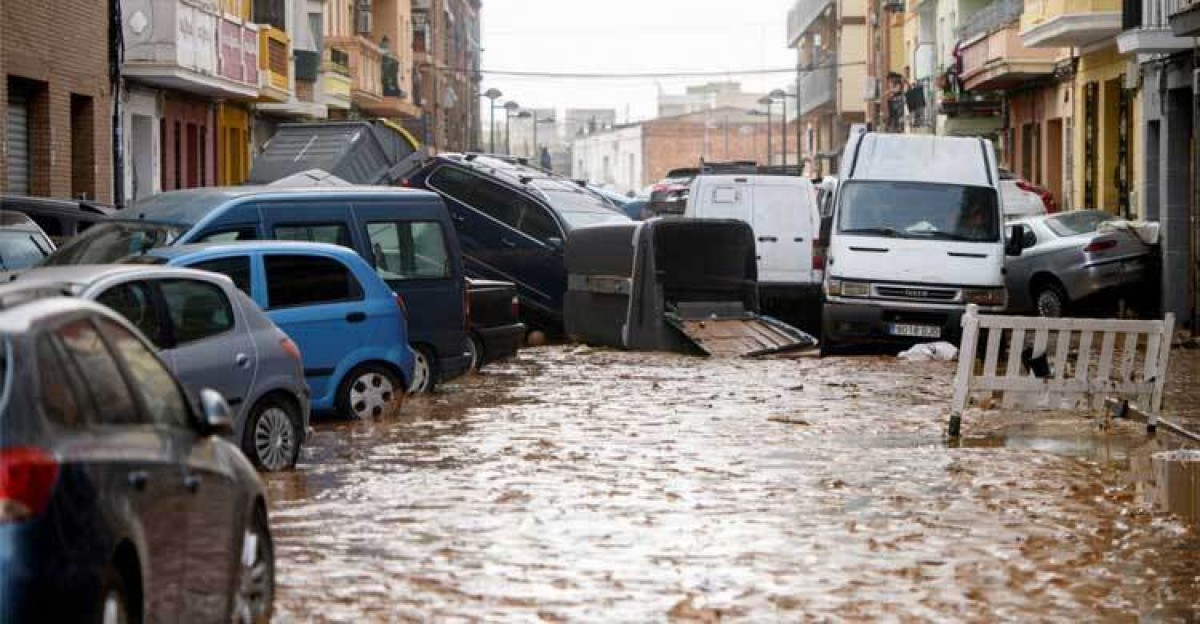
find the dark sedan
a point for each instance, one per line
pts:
(119, 501)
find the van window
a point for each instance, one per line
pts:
(242, 233)
(919, 210)
(296, 280)
(409, 250)
(332, 233)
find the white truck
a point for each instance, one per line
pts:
(783, 213)
(915, 236)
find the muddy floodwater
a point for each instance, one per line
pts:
(588, 485)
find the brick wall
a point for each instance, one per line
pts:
(670, 144)
(61, 45)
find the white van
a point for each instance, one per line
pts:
(782, 210)
(916, 235)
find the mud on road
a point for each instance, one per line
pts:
(582, 485)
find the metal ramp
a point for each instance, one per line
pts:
(725, 329)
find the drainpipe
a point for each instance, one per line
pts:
(116, 56)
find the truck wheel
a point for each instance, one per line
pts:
(424, 372)
(475, 349)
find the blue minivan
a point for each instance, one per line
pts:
(406, 235)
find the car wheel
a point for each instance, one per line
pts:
(272, 437)
(114, 601)
(1050, 301)
(475, 350)
(424, 375)
(255, 598)
(370, 391)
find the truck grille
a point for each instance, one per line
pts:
(917, 293)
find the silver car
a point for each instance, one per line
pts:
(210, 335)
(1067, 260)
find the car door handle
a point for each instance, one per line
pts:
(356, 317)
(138, 480)
(242, 360)
(192, 483)
(768, 239)
(508, 243)
(798, 239)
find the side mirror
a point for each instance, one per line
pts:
(215, 413)
(555, 243)
(1014, 243)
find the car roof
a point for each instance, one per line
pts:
(77, 276)
(22, 307)
(9, 201)
(514, 172)
(172, 252)
(192, 205)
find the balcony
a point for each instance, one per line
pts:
(1185, 21)
(1148, 30)
(802, 16)
(275, 63)
(817, 89)
(237, 55)
(990, 18)
(999, 61)
(1069, 23)
(335, 79)
(175, 46)
(365, 62)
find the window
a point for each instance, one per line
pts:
(135, 302)
(487, 197)
(538, 223)
(332, 233)
(244, 233)
(409, 250)
(114, 404)
(236, 268)
(21, 249)
(160, 394)
(197, 309)
(294, 280)
(919, 210)
(60, 399)
(110, 242)
(1078, 222)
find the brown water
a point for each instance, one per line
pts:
(581, 485)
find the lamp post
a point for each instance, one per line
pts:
(510, 108)
(536, 149)
(782, 96)
(492, 94)
(767, 101)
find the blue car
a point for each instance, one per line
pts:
(350, 327)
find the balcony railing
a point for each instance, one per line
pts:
(1148, 14)
(274, 59)
(990, 18)
(1038, 12)
(802, 15)
(1146, 28)
(817, 88)
(365, 62)
(1001, 61)
(237, 55)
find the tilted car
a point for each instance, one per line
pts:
(211, 336)
(1072, 258)
(119, 499)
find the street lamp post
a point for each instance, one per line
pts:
(782, 96)
(492, 95)
(510, 108)
(767, 101)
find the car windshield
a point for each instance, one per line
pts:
(21, 249)
(580, 209)
(919, 210)
(1075, 223)
(106, 243)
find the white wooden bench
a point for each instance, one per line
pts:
(1087, 360)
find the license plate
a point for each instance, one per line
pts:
(915, 331)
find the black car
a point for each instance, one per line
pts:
(496, 328)
(119, 499)
(60, 219)
(513, 220)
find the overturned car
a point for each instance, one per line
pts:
(671, 285)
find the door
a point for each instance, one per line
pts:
(209, 346)
(208, 482)
(17, 156)
(135, 461)
(784, 231)
(414, 260)
(319, 303)
(537, 258)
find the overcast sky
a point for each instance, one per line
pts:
(620, 36)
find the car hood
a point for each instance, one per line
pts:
(916, 261)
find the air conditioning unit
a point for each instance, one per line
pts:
(896, 6)
(362, 17)
(871, 88)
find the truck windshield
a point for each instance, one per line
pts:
(106, 243)
(919, 210)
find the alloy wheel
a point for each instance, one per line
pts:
(256, 585)
(421, 373)
(274, 439)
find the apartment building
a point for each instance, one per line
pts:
(368, 59)
(55, 99)
(446, 73)
(830, 38)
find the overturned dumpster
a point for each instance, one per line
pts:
(359, 152)
(671, 285)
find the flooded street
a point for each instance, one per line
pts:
(589, 485)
